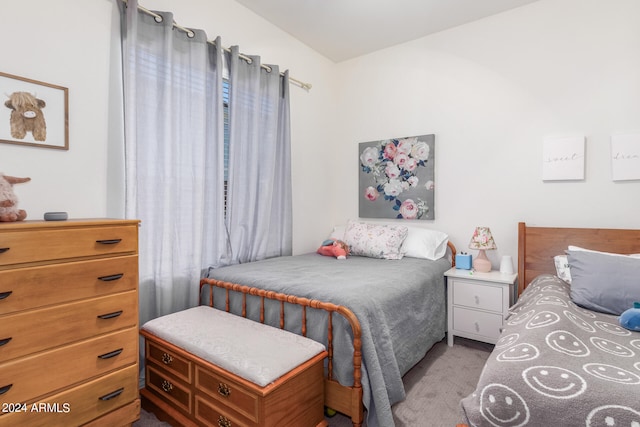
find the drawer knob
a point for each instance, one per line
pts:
(3, 250)
(167, 386)
(167, 359)
(5, 341)
(111, 277)
(109, 241)
(5, 389)
(111, 395)
(224, 421)
(224, 390)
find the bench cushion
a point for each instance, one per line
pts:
(256, 352)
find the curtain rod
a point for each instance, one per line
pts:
(159, 18)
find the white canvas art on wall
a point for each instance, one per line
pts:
(563, 158)
(625, 157)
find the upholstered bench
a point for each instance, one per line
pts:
(205, 366)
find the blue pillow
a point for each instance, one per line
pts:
(603, 282)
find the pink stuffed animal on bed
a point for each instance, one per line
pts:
(335, 248)
(9, 211)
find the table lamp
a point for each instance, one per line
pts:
(482, 240)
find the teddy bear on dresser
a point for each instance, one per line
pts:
(9, 211)
(26, 116)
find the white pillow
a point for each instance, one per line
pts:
(425, 243)
(577, 248)
(562, 268)
(375, 241)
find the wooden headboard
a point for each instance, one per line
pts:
(538, 245)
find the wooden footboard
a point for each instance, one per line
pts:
(344, 399)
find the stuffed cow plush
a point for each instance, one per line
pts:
(9, 211)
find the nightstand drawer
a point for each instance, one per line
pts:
(476, 295)
(477, 322)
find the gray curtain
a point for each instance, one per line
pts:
(174, 157)
(259, 212)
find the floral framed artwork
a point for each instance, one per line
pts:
(34, 113)
(397, 178)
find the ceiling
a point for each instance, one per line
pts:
(345, 29)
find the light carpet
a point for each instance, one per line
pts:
(434, 387)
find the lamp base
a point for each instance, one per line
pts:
(481, 263)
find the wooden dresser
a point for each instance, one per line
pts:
(69, 323)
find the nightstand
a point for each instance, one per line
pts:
(477, 303)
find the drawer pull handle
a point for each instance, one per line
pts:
(111, 278)
(477, 327)
(477, 300)
(110, 315)
(4, 295)
(111, 354)
(224, 421)
(224, 390)
(109, 241)
(111, 395)
(5, 389)
(167, 386)
(167, 359)
(3, 250)
(4, 341)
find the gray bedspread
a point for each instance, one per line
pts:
(400, 305)
(557, 364)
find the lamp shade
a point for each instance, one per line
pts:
(482, 239)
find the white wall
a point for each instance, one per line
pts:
(61, 43)
(73, 43)
(491, 91)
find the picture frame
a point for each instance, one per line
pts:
(563, 158)
(397, 178)
(33, 113)
(625, 157)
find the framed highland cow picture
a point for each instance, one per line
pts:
(33, 113)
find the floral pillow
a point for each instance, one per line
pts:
(375, 241)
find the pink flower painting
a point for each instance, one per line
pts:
(397, 178)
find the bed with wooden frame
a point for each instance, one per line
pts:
(343, 396)
(558, 362)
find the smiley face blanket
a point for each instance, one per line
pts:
(558, 364)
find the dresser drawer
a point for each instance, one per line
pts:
(80, 404)
(227, 393)
(476, 295)
(169, 388)
(477, 322)
(36, 330)
(42, 373)
(170, 362)
(35, 245)
(27, 288)
(209, 414)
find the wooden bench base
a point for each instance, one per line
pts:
(185, 390)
